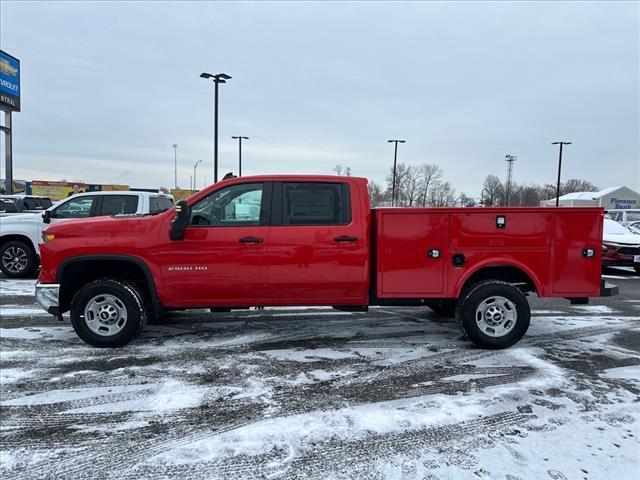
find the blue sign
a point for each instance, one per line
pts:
(9, 82)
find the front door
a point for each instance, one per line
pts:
(222, 259)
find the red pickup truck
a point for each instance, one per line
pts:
(314, 240)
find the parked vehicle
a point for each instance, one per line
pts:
(315, 241)
(20, 234)
(620, 246)
(11, 204)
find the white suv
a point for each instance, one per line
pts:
(20, 234)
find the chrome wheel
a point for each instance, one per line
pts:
(15, 259)
(105, 315)
(496, 316)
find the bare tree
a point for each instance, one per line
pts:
(346, 171)
(431, 175)
(442, 195)
(338, 169)
(401, 182)
(412, 185)
(492, 191)
(577, 185)
(376, 194)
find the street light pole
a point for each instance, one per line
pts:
(395, 163)
(559, 169)
(217, 78)
(175, 165)
(194, 175)
(239, 138)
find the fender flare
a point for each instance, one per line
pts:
(498, 262)
(155, 300)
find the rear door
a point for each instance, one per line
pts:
(318, 247)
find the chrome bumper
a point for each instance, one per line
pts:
(47, 295)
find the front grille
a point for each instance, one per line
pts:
(629, 251)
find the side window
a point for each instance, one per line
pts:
(307, 203)
(119, 204)
(237, 205)
(160, 204)
(76, 207)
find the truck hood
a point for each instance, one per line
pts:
(20, 219)
(101, 224)
(622, 238)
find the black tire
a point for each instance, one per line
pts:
(637, 269)
(445, 307)
(10, 252)
(470, 317)
(128, 298)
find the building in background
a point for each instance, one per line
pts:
(614, 198)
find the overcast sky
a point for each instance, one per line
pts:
(107, 88)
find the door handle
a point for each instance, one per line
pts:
(250, 240)
(345, 238)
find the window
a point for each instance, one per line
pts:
(160, 204)
(237, 205)
(119, 204)
(77, 207)
(315, 204)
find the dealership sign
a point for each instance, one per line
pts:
(9, 82)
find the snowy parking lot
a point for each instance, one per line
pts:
(316, 393)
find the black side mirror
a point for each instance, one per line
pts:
(180, 221)
(46, 216)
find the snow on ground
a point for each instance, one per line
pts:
(317, 394)
(17, 288)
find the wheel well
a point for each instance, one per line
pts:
(78, 273)
(508, 274)
(20, 238)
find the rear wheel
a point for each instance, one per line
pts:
(17, 259)
(493, 314)
(108, 312)
(637, 269)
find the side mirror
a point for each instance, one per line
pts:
(180, 221)
(46, 216)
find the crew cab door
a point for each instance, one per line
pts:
(318, 247)
(222, 260)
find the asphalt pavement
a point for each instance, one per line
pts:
(317, 393)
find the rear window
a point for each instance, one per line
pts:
(37, 203)
(160, 204)
(308, 203)
(119, 204)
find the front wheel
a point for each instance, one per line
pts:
(493, 314)
(108, 312)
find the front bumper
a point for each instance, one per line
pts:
(48, 295)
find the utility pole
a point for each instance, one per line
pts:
(217, 78)
(395, 163)
(509, 159)
(239, 138)
(559, 169)
(175, 165)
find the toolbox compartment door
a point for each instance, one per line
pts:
(404, 240)
(573, 272)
